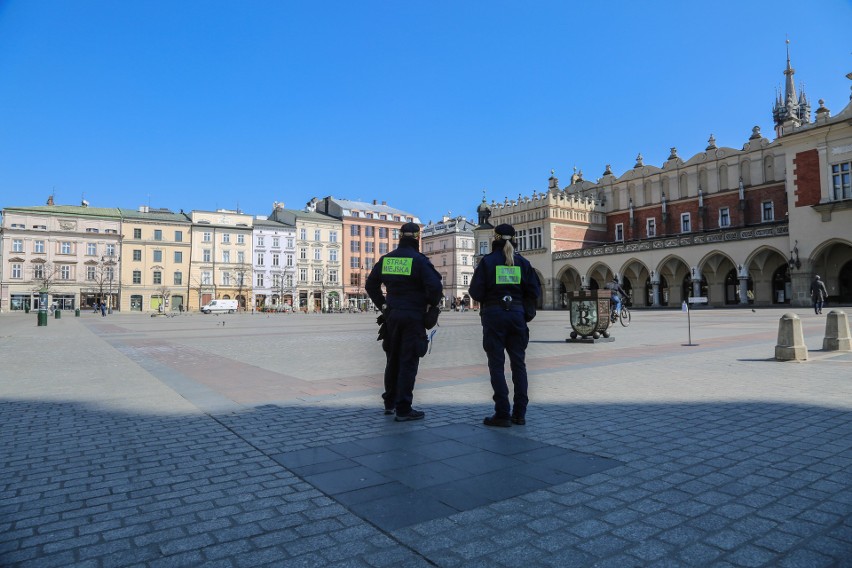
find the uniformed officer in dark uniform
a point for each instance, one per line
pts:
(506, 286)
(412, 286)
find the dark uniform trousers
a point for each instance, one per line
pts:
(502, 330)
(406, 334)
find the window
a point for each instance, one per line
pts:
(64, 247)
(259, 259)
(354, 246)
(110, 250)
(276, 242)
(332, 236)
(137, 277)
(178, 236)
(260, 279)
(158, 277)
(369, 231)
(395, 234)
(206, 278)
(289, 280)
(17, 245)
(206, 255)
(38, 247)
(289, 260)
(226, 256)
(178, 278)
(317, 254)
(241, 239)
(92, 230)
(303, 234)
(137, 254)
(354, 279)
(137, 233)
(332, 255)
(841, 181)
(355, 262)
(91, 249)
(465, 278)
(317, 275)
(521, 239)
(724, 217)
(651, 227)
(158, 256)
(332, 276)
(383, 248)
(90, 273)
(241, 257)
(464, 260)
(208, 237)
(685, 226)
(178, 257)
(226, 279)
(370, 215)
(303, 253)
(38, 271)
(368, 262)
(369, 246)
(303, 275)
(65, 272)
(291, 243)
(276, 280)
(16, 271)
(768, 211)
(275, 259)
(535, 238)
(317, 235)
(158, 235)
(383, 232)
(355, 230)
(619, 232)
(226, 238)
(110, 273)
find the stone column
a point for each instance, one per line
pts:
(743, 290)
(655, 295)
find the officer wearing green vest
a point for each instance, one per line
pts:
(412, 288)
(506, 286)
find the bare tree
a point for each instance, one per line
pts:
(241, 272)
(45, 275)
(165, 294)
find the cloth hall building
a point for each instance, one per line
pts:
(748, 225)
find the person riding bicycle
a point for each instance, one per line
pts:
(618, 296)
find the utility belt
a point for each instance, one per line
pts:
(507, 303)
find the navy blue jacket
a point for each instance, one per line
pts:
(411, 282)
(520, 282)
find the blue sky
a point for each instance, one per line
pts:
(212, 104)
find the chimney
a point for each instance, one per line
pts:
(384, 202)
(375, 202)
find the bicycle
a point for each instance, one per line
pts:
(623, 316)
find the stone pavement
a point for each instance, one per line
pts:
(247, 440)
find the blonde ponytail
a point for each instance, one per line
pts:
(509, 251)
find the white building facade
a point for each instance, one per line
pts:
(274, 269)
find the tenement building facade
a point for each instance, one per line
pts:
(449, 244)
(748, 225)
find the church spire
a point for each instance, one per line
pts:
(792, 106)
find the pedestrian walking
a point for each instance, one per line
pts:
(103, 309)
(412, 288)
(506, 287)
(818, 294)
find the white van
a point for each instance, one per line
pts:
(219, 307)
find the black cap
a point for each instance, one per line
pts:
(505, 230)
(410, 230)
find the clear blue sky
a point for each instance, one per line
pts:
(212, 104)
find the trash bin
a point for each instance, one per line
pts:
(27, 308)
(77, 313)
(57, 314)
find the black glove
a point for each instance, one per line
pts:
(430, 320)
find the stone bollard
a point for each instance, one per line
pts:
(791, 340)
(837, 332)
